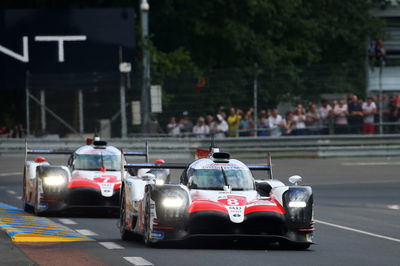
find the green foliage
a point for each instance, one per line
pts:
(303, 47)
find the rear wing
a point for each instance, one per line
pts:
(144, 153)
(48, 151)
(252, 167)
(156, 166)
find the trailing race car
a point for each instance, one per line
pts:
(217, 197)
(91, 178)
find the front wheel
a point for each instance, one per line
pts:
(36, 208)
(125, 234)
(147, 226)
(27, 208)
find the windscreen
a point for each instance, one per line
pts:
(111, 162)
(216, 179)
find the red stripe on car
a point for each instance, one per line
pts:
(205, 205)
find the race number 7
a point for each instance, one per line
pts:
(232, 202)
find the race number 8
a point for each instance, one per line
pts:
(233, 202)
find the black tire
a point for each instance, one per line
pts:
(36, 210)
(27, 208)
(147, 231)
(125, 234)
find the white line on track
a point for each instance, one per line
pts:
(19, 197)
(138, 261)
(355, 183)
(394, 207)
(7, 174)
(66, 221)
(86, 232)
(12, 192)
(358, 231)
(370, 163)
(111, 245)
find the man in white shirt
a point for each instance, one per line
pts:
(340, 112)
(325, 112)
(201, 129)
(369, 110)
(221, 127)
(276, 123)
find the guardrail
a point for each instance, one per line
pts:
(243, 147)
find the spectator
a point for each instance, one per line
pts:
(276, 123)
(262, 123)
(395, 114)
(246, 125)
(299, 118)
(185, 124)
(201, 129)
(221, 111)
(290, 123)
(313, 120)
(154, 125)
(355, 117)
(173, 128)
(221, 127)
(233, 122)
(340, 112)
(325, 112)
(369, 110)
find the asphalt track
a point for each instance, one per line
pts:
(357, 208)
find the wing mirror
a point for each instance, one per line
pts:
(148, 177)
(294, 179)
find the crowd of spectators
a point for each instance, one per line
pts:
(18, 131)
(347, 115)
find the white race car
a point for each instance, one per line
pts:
(217, 198)
(91, 178)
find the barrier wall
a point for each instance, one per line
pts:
(244, 147)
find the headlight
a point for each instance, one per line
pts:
(160, 182)
(297, 204)
(174, 202)
(54, 180)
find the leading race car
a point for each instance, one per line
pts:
(217, 197)
(91, 178)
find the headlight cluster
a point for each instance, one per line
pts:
(172, 202)
(54, 180)
(297, 204)
(159, 182)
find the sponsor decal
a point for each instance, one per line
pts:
(236, 213)
(157, 235)
(43, 206)
(107, 189)
(309, 237)
(227, 166)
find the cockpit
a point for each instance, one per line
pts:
(93, 162)
(215, 179)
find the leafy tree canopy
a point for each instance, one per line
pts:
(289, 39)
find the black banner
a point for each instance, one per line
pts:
(63, 41)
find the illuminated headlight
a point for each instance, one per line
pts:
(297, 204)
(174, 202)
(160, 182)
(54, 180)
